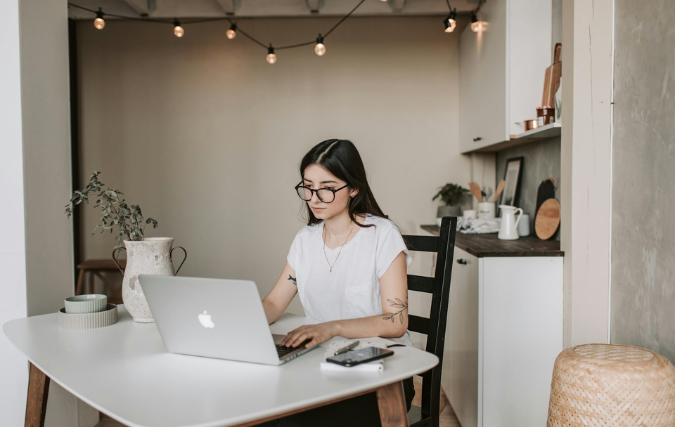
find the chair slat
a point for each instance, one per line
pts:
(418, 324)
(422, 243)
(421, 283)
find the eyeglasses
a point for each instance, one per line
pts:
(326, 195)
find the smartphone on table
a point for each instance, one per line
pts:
(363, 355)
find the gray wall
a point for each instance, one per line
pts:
(541, 161)
(643, 230)
(206, 136)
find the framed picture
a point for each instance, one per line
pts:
(512, 175)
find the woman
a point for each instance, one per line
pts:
(349, 266)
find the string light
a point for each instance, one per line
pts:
(177, 29)
(451, 21)
(320, 48)
(476, 25)
(232, 32)
(99, 23)
(271, 56)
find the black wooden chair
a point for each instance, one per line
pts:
(434, 326)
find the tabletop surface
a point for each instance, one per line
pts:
(124, 371)
(489, 245)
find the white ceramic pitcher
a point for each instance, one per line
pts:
(508, 230)
(152, 255)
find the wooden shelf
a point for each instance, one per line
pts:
(534, 135)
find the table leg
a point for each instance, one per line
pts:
(36, 403)
(391, 402)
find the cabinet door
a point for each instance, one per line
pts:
(482, 77)
(521, 335)
(460, 359)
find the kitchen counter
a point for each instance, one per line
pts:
(488, 245)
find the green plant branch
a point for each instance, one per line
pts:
(115, 211)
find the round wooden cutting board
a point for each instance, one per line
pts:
(548, 219)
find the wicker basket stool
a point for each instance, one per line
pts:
(603, 385)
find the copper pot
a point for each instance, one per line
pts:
(530, 124)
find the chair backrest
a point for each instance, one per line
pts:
(434, 326)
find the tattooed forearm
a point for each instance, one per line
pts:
(397, 303)
(293, 279)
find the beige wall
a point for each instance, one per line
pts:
(207, 137)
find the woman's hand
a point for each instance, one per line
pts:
(319, 333)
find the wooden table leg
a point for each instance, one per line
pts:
(391, 402)
(36, 403)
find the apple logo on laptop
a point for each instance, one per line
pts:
(205, 320)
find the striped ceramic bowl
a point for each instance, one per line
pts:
(88, 320)
(80, 304)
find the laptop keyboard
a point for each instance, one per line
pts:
(283, 350)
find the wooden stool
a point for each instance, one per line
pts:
(94, 267)
(612, 385)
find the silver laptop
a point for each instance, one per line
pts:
(216, 318)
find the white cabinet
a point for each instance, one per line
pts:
(460, 360)
(501, 70)
(505, 326)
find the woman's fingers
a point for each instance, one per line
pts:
(290, 337)
(302, 337)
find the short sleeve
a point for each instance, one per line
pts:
(294, 253)
(389, 244)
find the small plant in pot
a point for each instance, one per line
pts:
(144, 255)
(451, 195)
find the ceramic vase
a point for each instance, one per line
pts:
(153, 255)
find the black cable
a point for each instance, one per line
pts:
(131, 18)
(253, 39)
(239, 30)
(449, 7)
(342, 20)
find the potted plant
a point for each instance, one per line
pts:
(144, 255)
(451, 195)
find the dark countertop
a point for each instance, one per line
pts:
(488, 245)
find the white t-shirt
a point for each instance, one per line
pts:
(352, 289)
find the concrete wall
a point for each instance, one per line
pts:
(541, 161)
(643, 231)
(207, 137)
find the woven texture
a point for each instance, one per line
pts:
(603, 385)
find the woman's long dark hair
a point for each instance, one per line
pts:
(341, 158)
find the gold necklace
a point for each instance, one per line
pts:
(339, 252)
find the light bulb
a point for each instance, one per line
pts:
(450, 22)
(271, 56)
(99, 23)
(232, 32)
(320, 48)
(177, 29)
(476, 25)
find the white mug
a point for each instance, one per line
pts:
(486, 210)
(524, 225)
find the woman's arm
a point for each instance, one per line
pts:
(281, 294)
(392, 323)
